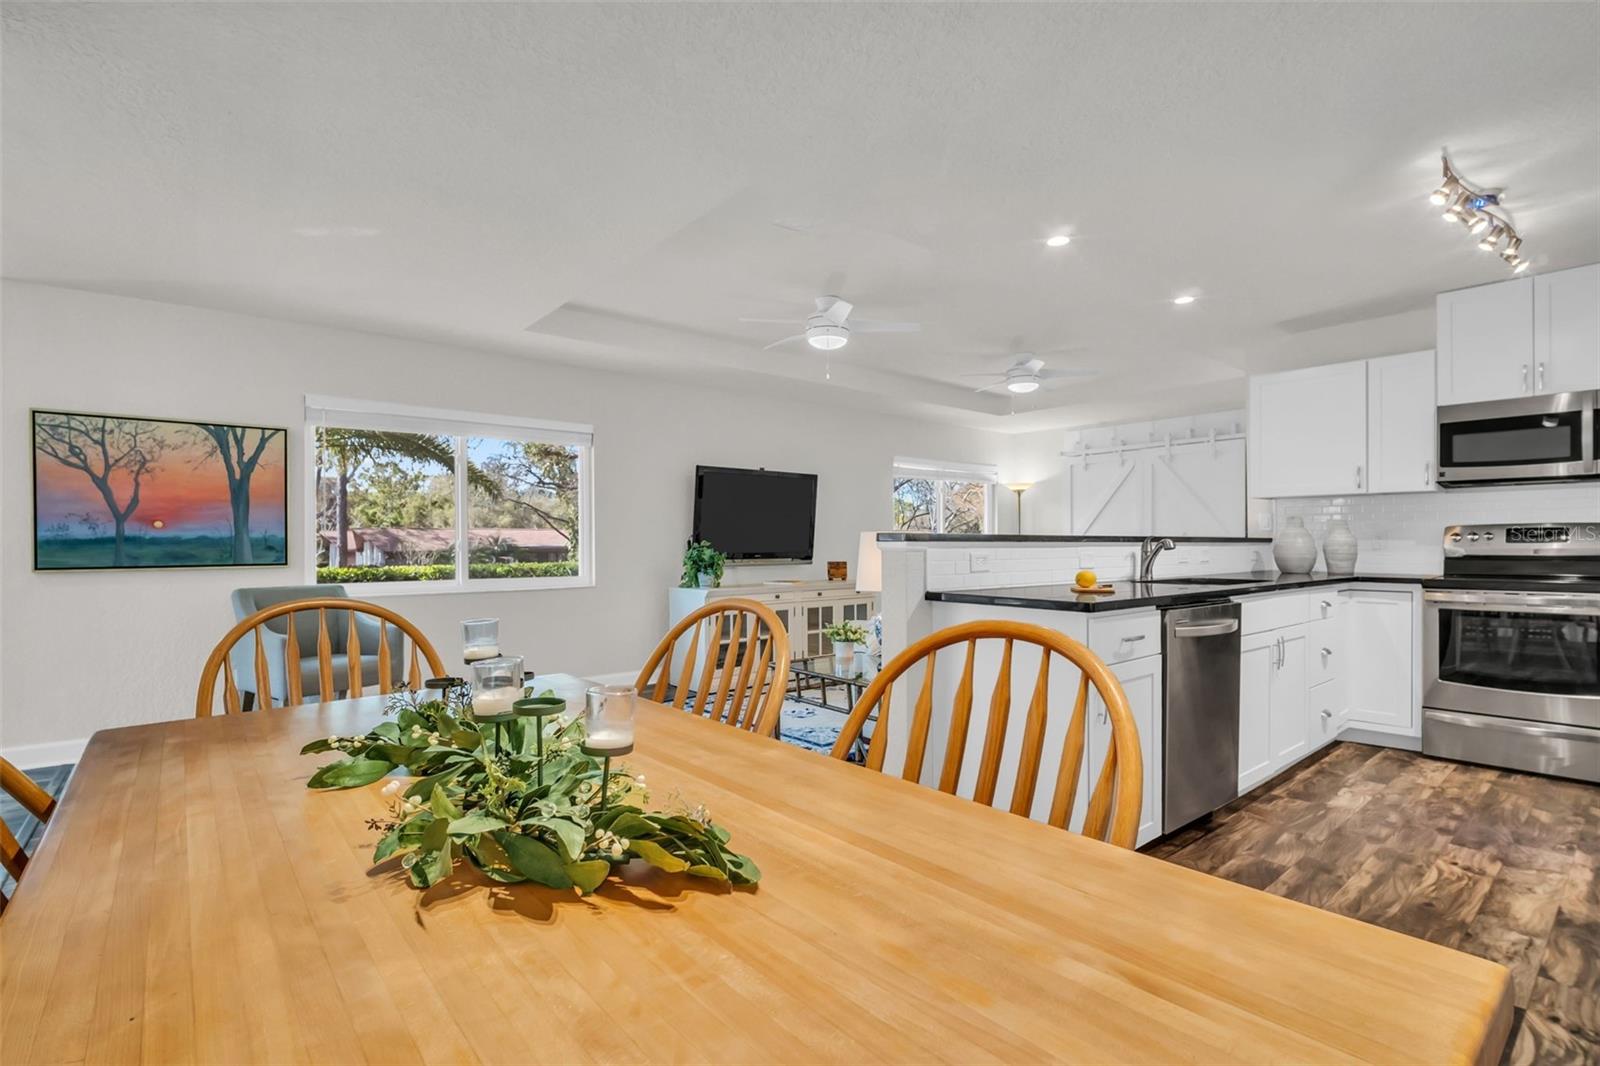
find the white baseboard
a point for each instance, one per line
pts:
(33, 756)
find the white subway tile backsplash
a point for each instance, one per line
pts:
(1403, 532)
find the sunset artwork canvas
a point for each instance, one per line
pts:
(132, 493)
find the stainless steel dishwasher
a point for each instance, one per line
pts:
(1200, 721)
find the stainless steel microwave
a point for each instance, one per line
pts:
(1508, 442)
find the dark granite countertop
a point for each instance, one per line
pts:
(1159, 593)
(1048, 538)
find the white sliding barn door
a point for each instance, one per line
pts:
(1189, 490)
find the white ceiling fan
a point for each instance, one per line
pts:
(830, 326)
(1026, 375)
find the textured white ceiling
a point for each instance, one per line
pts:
(615, 185)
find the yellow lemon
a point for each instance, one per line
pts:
(1086, 579)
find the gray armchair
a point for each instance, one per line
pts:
(275, 637)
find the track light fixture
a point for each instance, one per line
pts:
(1482, 212)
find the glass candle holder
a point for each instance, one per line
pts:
(496, 685)
(608, 720)
(480, 639)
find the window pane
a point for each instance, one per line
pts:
(386, 506)
(965, 506)
(914, 500)
(523, 517)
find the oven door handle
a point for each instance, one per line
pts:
(1455, 601)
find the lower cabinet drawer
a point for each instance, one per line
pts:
(1262, 613)
(1324, 651)
(1325, 703)
(1124, 636)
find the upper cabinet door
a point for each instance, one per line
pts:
(1566, 330)
(1308, 431)
(1400, 422)
(1485, 342)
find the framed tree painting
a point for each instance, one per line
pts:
(115, 493)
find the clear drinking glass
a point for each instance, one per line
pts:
(496, 684)
(480, 639)
(608, 720)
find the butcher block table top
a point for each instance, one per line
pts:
(192, 901)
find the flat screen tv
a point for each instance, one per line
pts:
(755, 514)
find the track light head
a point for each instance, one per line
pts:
(1519, 266)
(1491, 240)
(1511, 252)
(1482, 212)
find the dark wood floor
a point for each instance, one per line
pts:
(1499, 864)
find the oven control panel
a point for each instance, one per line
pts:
(1557, 538)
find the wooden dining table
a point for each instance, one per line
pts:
(193, 901)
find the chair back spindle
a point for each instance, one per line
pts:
(270, 647)
(1115, 797)
(37, 802)
(735, 665)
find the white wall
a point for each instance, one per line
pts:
(140, 638)
(1403, 532)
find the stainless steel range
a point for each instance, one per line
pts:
(1511, 649)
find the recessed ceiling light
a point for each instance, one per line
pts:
(1060, 240)
(1181, 300)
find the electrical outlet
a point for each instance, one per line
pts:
(978, 562)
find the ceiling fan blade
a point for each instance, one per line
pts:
(869, 326)
(1062, 375)
(786, 340)
(775, 321)
(991, 386)
(835, 311)
(1033, 364)
(984, 374)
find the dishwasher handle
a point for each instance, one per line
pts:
(1207, 629)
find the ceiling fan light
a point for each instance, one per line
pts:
(1060, 240)
(827, 338)
(1022, 385)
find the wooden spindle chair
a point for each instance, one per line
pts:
(221, 658)
(744, 672)
(37, 802)
(1113, 811)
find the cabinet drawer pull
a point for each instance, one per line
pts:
(1327, 651)
(1130, 640)
(1327, 714)
(1524, 377)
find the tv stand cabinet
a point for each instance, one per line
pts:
(804, 607)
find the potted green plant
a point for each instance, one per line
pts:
(845, 636)
(702, 566)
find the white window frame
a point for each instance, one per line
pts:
(404, 418)
(940, 472)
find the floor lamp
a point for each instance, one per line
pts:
(1019, 487)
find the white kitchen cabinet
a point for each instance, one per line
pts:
(1258, 663)
(1141, 683)
(1400, 422)
(1308, 431)
(1566, 330)
(1287, 724)
(1484, 339)
(1327, 711)
(1380, 637)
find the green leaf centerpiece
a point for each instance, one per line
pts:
(519, 799)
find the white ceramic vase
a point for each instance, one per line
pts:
(1339, 549)
(1293, 549)
(844, 652)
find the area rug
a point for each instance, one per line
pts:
(23, 825)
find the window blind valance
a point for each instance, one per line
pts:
(403, 418)
(934, 470)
